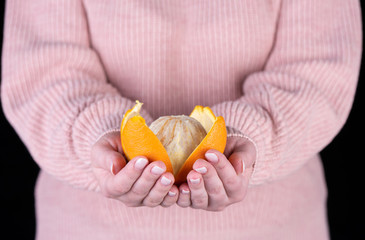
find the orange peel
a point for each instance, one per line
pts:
(139, 140)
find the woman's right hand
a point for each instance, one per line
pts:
(136, 183)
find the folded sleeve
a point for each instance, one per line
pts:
(54, 90)
(301, 99)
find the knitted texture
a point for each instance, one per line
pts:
(282, 73)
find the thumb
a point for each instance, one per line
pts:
(116, 161)
(243, 156)
(236, 159)
(106, 153)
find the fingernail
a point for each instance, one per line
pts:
(165, 181)
(157, 170)
(185, 191)
(112, 168)
(195, 180)
(201, 170)
(243, 167)
(211, 157)
(172, 194)
(141, 163)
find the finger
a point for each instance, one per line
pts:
(231, 144)
(159, 190)
(117, 162)
(171, 197)
(198, 194)
(236, 160)
(123, 181)
(244, 175)
(105, 157)
(184, 196)
(146, 181)
(226, 172)
(212, 182)
(243, 157)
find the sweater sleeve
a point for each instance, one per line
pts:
(297, 104)
(54, 90)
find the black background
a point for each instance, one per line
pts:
(343, 162)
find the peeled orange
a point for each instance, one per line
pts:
(178, 141)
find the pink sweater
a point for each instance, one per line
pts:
(281, 72)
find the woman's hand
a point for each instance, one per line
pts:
(218, 182)
(136, 183)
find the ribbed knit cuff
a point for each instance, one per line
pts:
(100, 117)
(112, 130)
(233, 132)
(243, 121)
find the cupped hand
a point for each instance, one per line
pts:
(136, 183)
(217, 181)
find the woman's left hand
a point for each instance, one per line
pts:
(218, 182)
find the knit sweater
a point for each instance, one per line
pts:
(282, 73)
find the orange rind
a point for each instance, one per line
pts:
(139, 140)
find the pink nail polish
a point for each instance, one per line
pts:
(141, 163)
(195, 180)
(243, 167)
(157, 170)
(211, 157)
(201, 170)
(172, 194)
(183, 191)
(112, 168)
(165, 181)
